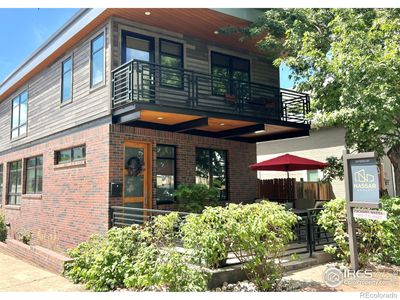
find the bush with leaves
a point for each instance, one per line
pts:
(3, 228)
(194, 198)
(376, 240)
(256, 233)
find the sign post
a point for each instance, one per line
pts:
(362, 191)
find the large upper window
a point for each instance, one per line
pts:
(15, 182)
(34, 175)
(66, 80)
(19, 115)
(97, 60)
(171, 56)
(228, 71)
(165, 173)
(71, 155)
(211, 169)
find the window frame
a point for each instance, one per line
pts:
(65, 101)
(175, 178)
(102, 82)
(181, 56)
(36, 171)
(72, 160)
(19, 136)
(14, 194)
(1, 182)
(210, 183)
(230, 69)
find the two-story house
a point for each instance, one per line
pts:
(120, 106)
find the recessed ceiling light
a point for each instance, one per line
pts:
(147, 13)
(221, 124)
(216, 32)
(259, 131)
(160, 118)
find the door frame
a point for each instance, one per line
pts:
(148, 180)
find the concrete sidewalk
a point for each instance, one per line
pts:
(19, 276)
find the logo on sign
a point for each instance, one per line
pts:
(364, 180)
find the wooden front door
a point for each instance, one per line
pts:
(137, 178)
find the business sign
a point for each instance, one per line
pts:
(369, 214)
(364, 182)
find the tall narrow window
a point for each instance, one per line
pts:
(228, 71)
(1, 184)
(15, 182)
(66, 80)
(19, 115)
(97, 60)
(171, 56)
(165, 173)
(34, 175)
(211, 169)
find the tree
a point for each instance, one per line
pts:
(349, 62)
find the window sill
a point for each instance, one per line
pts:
(80, 163)
(19, 138)
(97, 87)
(32, 196)
(12, 207)
(65, 103)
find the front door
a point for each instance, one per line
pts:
(137, 181)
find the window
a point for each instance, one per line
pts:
(171, 56)
(226, 71)
(19, 115)
(71, 155)
(34, 175)
(312, 175)
(1, 183)
(66, 80)
(15, 183)
(211, 169)
(97, 60)
(166, 158)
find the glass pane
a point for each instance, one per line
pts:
(137, 48)
(1, 182)
(202, 166)
(219, 84)
(218, 169)
(19, 181)
(67, 65)
(30, 181)
(98, 43)
(14, 133)
(79, 153)
(242, 76)
(15, 117)
(24, 97)
(165, 187)
(31, 162)
(165, 166)
(170, 61)
(134, 153)
(64, 156)
(15, 102)
(171, 48)
(17, 200)
(134, 186)
(240, 65)
(22, 130)
(39, 179)
(12, 187)
(24, 112)
(97, 67)
(165, 151)
(66, 86)
(220, 59)
(39, 161)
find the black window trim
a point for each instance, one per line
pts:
(15, 194)
(175, 169)
(26, 174)
(181, 56)
(19, 116)
(65, 101)
(71, 149)
(102, 33)
(1, 183)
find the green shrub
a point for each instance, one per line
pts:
(376, 240)
(3, 228)
(255, 233)
(194, 197)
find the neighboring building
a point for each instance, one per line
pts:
(319, 145)
(121, 105)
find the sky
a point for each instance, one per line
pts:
(23, 30)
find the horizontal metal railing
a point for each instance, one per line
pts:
(138, 81)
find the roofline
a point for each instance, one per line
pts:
(78, 21)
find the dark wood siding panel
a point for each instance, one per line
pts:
(45, 114)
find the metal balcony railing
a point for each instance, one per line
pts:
(144, 82)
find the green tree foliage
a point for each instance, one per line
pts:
(377, 240)
(334, 170)
(194, 197)
(3, 228)
(349, 61)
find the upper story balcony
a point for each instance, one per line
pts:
(141, 85)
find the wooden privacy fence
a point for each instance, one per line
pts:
(303, 194)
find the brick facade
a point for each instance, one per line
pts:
(75, 200)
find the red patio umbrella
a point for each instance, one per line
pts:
(287, 163)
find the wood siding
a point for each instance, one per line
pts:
(46, 114)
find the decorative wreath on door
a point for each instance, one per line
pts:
(135, 166)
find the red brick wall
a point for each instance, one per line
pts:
(74, 202)
(241, 180)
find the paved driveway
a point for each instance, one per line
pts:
(19, 276)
